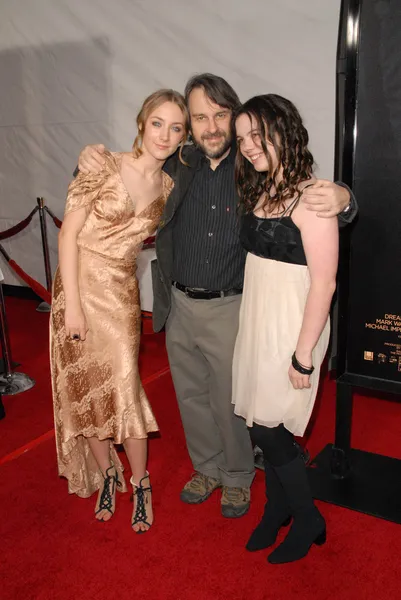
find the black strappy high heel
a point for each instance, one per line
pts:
(140, 515)
(109, 487)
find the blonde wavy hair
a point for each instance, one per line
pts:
(150, 104)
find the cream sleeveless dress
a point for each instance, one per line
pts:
(276, 287)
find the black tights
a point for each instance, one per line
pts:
(277, 444)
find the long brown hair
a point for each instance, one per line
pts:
(150, 104)
(280, 124)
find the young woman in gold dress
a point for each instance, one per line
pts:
(98, 397)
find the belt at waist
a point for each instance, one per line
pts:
(199, 294)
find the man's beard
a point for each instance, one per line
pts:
(219, 152)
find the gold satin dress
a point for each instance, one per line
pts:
(97, 390)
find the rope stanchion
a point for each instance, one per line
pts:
(44, 306)
(36, 286)
(11, 383)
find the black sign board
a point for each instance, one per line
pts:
(371, 310)
(368, 158)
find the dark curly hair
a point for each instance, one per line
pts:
(280, 124)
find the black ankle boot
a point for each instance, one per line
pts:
(308, 526)
(275, 516)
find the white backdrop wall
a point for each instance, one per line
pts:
(74, 72)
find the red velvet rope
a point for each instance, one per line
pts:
(33, 284)
(56, 221)
(18, 227)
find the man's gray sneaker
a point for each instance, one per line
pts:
(235, 501)
(199, 488)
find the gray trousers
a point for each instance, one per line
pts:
(200, 344)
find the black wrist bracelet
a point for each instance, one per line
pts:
(300, 368)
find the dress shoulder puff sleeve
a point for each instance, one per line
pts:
(85, 189)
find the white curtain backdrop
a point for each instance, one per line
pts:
(75, 72)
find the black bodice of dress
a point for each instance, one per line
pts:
(277, 238)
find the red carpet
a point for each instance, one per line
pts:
(52, 547)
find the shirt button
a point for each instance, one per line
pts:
(213, 206)
(210, 234)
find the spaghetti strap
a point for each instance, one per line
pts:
(289, 210)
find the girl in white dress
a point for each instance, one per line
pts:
(290, 278)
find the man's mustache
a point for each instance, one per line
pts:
(213, 136)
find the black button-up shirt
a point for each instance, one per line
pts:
(207, 249)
